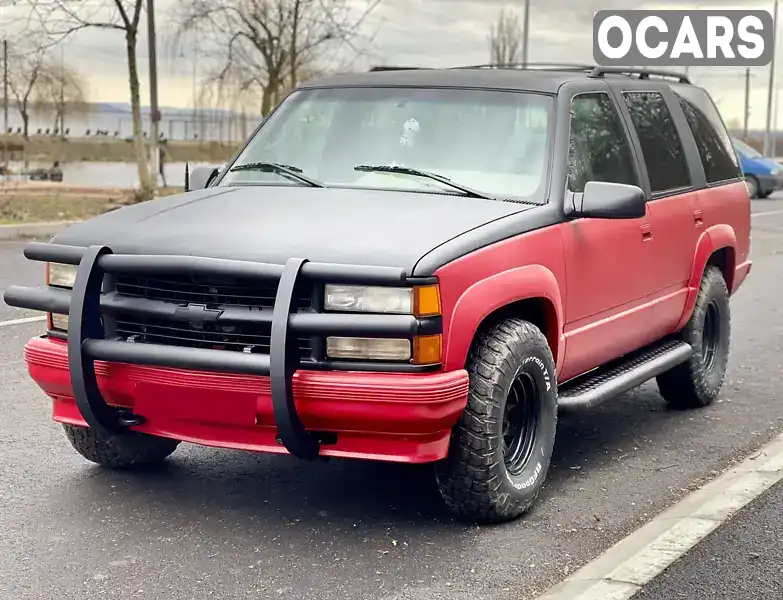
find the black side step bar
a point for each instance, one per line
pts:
(622, 375)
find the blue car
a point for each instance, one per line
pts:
(762, 174)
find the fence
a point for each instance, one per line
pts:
(218, 126)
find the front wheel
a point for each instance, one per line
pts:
(502, 446)
(119, 450)
(753, 186)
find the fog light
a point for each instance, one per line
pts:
(368, 348)
(58, 322)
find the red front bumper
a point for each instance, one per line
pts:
(380, 416)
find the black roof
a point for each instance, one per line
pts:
(544, 80)
(505, 79)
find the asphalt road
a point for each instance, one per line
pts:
(233, 525)
(739, 561)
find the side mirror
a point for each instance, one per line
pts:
(604, 200)
(199, 178)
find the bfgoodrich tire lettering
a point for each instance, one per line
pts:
(119, 450)
(698, 381)
(491, 474)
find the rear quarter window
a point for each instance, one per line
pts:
(715, 148)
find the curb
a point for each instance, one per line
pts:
(27, 230)
(623, 570)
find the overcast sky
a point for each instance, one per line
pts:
(428, 33)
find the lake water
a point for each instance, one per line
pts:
(110, 174)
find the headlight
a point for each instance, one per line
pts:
(60, 275)
(64, 276)
(372, 299)
(420, 300)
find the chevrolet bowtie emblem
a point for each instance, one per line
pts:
(197, 312)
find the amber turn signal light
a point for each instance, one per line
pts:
(427, 349)
(426, 301)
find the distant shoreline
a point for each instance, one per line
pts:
(103, 149)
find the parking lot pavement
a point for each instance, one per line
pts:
(230, 525)
(739, 561)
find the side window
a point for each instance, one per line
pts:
(715, 148)
(661, 144)
(599, 149)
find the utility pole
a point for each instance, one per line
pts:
(5, 86)
(154, 113)
(526, 34)
(62, 91)
(747, 106)
(767, 137)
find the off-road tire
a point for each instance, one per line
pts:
(119, 450)
(474, 479)
(697, 382)
(753, 186)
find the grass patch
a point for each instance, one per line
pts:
(33, 206)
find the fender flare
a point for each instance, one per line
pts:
(713, 239)
(488, 295)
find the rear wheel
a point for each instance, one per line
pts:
(698, 381)
(119, 450)
(502, 446)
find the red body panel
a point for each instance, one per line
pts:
(526, 266)
(384, 416)
(612, 285)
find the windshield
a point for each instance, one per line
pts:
(748, 151)
(490, 141)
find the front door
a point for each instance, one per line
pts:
(610, 261)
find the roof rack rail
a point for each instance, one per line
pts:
(533, 66)
(390, 68)
(642, 73)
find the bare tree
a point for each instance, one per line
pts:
(25, 70)
(60, 89)
(262, 47)
(60, 19)
(505, 39)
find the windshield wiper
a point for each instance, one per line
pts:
(281, 169)
(470, 192)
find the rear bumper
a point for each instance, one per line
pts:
(381, 416)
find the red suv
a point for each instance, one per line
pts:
(414, 265)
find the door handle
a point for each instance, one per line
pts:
(647, 235)
(698, 217)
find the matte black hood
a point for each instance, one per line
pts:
(273, 224)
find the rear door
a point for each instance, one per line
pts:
(722, 199)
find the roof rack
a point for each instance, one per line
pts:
(642, 73)
(533, 66)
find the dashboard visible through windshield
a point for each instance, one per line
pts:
(491, 143)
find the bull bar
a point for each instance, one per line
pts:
(92, 297)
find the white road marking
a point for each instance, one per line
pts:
(21, 321)
(767, 213)
(624, 569)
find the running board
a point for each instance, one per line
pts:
(622, 375)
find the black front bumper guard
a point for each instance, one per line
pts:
(90, 299)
